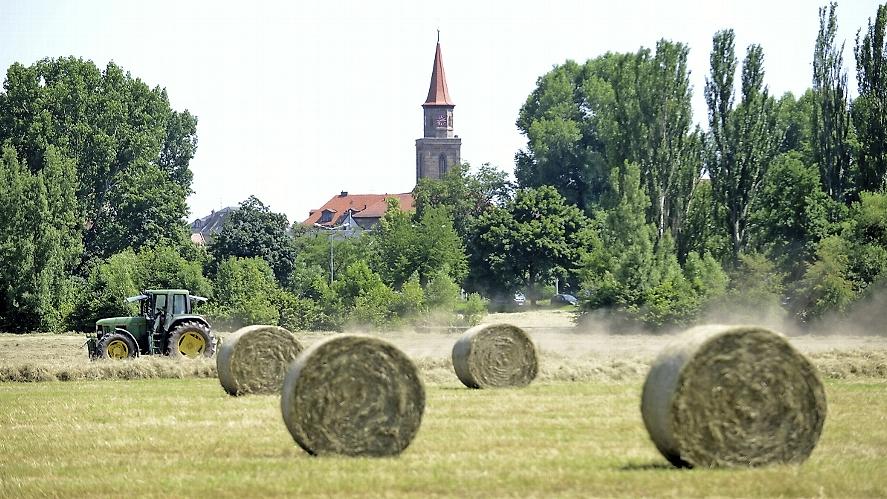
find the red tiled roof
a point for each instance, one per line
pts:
(438, 95)
(362, 205)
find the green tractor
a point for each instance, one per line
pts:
(165, 326)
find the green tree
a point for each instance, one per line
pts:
(465, 195)
(39, 242)
(794, 121)
(791, 214)
(583, 121)
(113, 126)
(870, 107)
(253, 230)
(164, 268)
(756, 292)
(563, 150)
(825, 286)
(423, 244)
(831, 115)
(618, 265)
(245, 292)
(104, 293)
(741, 141)
(530, 240)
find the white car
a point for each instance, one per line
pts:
(519, 299)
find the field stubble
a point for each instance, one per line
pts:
(575, 432)
(567, 354)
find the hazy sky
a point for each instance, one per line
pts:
(299, 100)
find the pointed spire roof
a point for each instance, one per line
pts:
(438, 95)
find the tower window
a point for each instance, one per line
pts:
(442, 165)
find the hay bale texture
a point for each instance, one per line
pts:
(254, 359)
(353, 395)
(495, 356)
(733, 396)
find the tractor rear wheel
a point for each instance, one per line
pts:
(117, 346)
(191, 340)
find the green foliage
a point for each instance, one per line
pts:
(254, 231)
(130, 148)
(618, 265)
(245, 293)
(867, 232)
(465, 195)
(794, 121)
(825, 285)
(105, 291)
(742, 140)
(583, 121)
(560, 149)
(410, 301)
(791, 214)
(703, 226)
(706, 276)
(831, 113)
(39, 242)
(405, 244)
(364, 297)
(165, 268)
(869, 109)
(299, 313)
(473, 309)
(441, 292)
(630, 275)
(756, 291)
(529, 241)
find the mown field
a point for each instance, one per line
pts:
(576, 432)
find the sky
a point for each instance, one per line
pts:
(300, 100)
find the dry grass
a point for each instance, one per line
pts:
(564, 357)
(187, 438)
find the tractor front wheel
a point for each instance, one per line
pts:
(116, 346)
(191, 340)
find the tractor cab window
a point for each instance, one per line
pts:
(159, 303)
(179, 305)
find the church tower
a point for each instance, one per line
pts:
(439, 149)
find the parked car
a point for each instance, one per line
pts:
(519, 299)
(564, 299)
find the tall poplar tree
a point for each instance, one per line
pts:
(831, 116)
(741, 141)
(870, 108)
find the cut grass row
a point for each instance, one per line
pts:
(188, 438)
(854, 364)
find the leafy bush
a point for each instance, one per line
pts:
(246, 293)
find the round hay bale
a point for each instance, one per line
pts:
(733, 396)
(495, 356)
(354, 395)
(254, 359)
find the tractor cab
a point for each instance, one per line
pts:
(166, 324)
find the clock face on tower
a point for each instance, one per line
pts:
(441, 120)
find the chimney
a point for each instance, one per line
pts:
(343, 194)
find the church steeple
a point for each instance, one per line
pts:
(438, 94)
(439, 148)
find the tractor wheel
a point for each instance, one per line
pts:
(191, 340)
(117, 346)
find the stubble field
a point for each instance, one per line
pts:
(576, 432)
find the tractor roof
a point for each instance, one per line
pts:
(166, 291)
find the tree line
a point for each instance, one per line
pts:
(777, 206)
